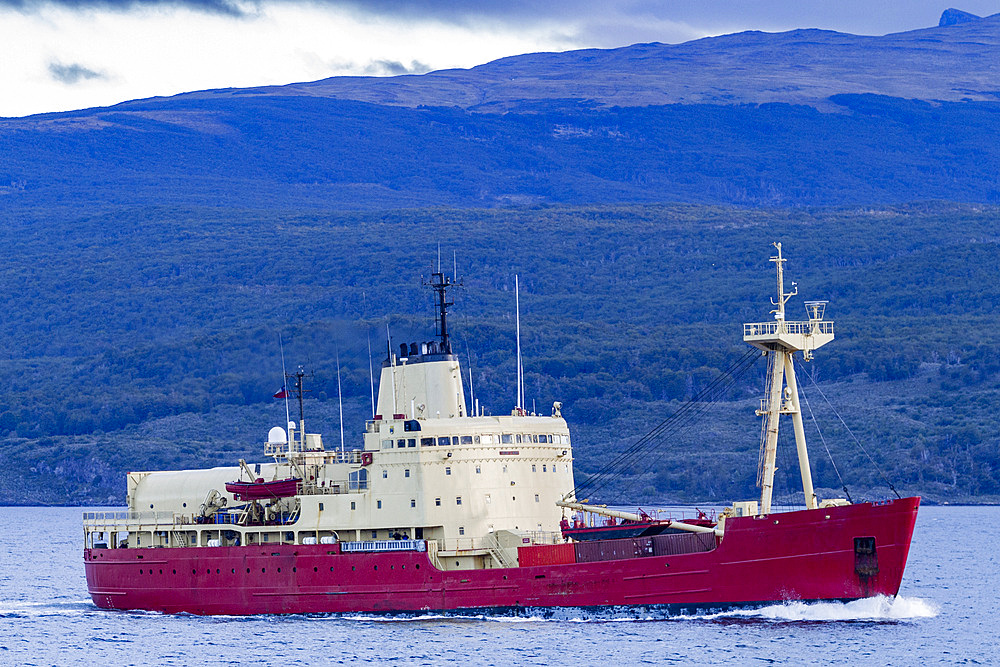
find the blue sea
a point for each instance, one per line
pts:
(946, 613)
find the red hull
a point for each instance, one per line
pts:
(805, 555)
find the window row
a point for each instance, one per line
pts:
(486, 439)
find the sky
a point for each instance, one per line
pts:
(59, 55)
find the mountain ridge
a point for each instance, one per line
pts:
(949, 63)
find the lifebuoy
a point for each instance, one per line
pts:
(366, 458)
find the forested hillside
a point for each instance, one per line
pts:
(155, 251)
(148, 338)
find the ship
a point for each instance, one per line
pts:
(445, 508)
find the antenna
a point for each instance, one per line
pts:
(454, 271)
(472, 390)
(517, 311)
(284, 377)
(371, 372)
(340, 398)
(392, 366)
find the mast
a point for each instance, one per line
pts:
(300, 391)
(284, 375)
(517, 320)
(440, 284)
(340, 400)
(780, 340)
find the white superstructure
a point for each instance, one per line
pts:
(469, 484)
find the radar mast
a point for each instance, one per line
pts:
(440, 284)
(780, 340)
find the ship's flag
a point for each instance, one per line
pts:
(282, 393)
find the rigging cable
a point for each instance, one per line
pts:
(862, 447)
(688, 411)
(828, 454)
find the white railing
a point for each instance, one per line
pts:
(755, 329)
(104, 519)
(352, 456)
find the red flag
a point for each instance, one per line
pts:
(282, 393)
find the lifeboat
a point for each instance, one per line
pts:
(261, 490)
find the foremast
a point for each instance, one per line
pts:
(780, 340)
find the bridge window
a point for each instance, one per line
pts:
(411, 442)
(506, 439)
(387, 444)
(475, 439)
(400, 443)
(358, 480)
(445, 441)
(466, 439)
(427, 442)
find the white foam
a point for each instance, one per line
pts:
(879, 608)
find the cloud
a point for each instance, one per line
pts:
(234, 8)
(73, 73)
(394, 68)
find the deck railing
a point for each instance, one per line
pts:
(781, 327)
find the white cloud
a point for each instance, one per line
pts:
(163, 51)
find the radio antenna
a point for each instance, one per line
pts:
(284, 379)
(517, 311)
(340, 398)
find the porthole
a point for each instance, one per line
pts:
(140, 571)
(331, 568)
(263, 570)
(175, 571)
(279, 569)
(161, 571)
(418, 567)
(217, 571)
(376, 567)
(194, 572)
(295, 569)
(248, 570)
(234, 570)
(353, 568)
(316, 569)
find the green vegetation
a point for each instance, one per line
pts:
(146, 338)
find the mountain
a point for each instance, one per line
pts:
(799, 118)
(953, 62)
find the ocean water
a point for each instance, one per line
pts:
(946, 613)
